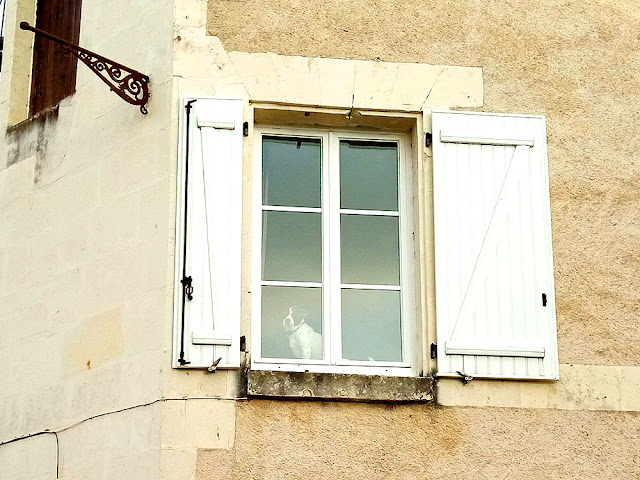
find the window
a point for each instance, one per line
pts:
(332, 256)
(351, 262)
(54, 70)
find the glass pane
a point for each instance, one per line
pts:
(291, 247)
(370, 251)
(291, 171)
(371, 325)
(292, 335)
(369, 175)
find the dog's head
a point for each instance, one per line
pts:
(289, 324)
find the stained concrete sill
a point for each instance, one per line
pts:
(330, 386)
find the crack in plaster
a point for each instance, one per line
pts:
(393, 85)
(432, 86)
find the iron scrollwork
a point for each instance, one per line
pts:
(130, 85)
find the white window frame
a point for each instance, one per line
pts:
(332, 342)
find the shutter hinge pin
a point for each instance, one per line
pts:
(434, 351)
(544, 299)
(428, 137)
(245, 129)
(188, 289)
(214, 366)
(464, 377)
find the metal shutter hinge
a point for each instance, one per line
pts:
(214, 366)
(544, 299)
(434, 351)
(188, 289)
(245, 129)
(464, 377)
(428, 137)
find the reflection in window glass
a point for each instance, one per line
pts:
(291, 171)
(368, 175)
(292, 322)
(370, 250)
(371, 327)
(291, 247)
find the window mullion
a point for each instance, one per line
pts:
(326, 251)
(334, 248)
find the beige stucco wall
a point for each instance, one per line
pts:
(300, 439)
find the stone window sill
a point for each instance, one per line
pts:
(330, 386)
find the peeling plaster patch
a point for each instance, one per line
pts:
(31, 137)
(98, 339)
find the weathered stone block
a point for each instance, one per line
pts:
(376, 388)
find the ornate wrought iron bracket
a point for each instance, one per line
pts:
(130, 85)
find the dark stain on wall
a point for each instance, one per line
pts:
(31, 137)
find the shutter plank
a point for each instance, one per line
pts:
(527, 252)
(199, 310)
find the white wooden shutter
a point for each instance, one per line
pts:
(493, 247)
(214, 223)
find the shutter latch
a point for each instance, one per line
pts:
(544, 299)
(188, 289)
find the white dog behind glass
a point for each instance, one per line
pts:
(304, 341)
